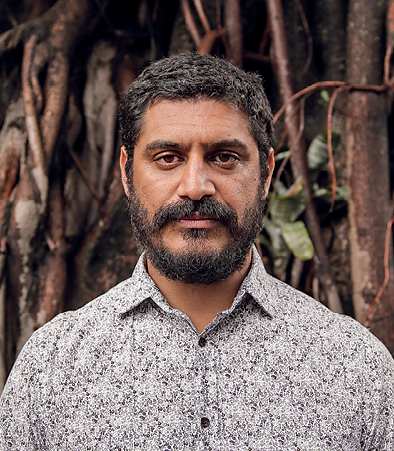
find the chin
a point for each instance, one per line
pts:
(198, 262)
(197, 244)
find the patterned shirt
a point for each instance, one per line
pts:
(276, 371)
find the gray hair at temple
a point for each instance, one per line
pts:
(192, 76)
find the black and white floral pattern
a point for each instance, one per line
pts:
(276, 371)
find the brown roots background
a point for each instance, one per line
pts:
(64, 234)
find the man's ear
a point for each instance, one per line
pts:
(123, 160)
(271, 165)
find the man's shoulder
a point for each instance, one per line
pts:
(95, 318)
(335, 334)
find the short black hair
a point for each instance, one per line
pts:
(192, 76)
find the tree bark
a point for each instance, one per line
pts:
(233, 25)
(368, 160)
(35, 266)
(64, 233)
(285, 80)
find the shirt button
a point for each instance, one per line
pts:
(204, 422)
(202, 342)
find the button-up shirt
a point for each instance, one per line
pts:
(276, 371)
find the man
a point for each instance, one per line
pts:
(200, 349)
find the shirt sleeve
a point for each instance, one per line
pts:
(19, 425)
(378, 434)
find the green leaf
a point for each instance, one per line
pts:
(317, 155)
(325, 96)
(287, 207)
(282, 155)
(342, 193)
(297, 238)
(277, 247)
(280, 188)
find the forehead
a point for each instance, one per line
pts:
(202, 118)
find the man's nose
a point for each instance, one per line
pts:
(196, 181)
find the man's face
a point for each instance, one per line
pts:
(196, 197)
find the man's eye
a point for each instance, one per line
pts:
(225, 158)
(167, 159)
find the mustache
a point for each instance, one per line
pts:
(206, 207)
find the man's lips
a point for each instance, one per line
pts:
(197, 221)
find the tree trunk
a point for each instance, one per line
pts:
(285, 80)
(64, 231)
(368, 160)
(33, 275)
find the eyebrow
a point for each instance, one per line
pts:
(227, 143)
(158, 144)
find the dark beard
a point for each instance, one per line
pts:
(205, 266)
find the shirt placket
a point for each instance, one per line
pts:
(207, 351)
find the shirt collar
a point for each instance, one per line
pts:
(257, 284)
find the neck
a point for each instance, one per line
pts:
(201, 303)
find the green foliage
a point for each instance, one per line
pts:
(297, 238)
(289, 205)
(285, 231)
(324, 97)
(317, 154)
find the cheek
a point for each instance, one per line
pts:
(249, 189)
(240, 199)
(146, 188)
(154, 196)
